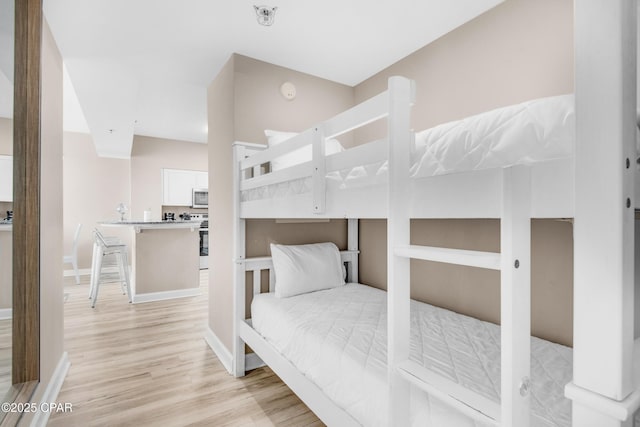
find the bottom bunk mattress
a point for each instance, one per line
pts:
(338, 339)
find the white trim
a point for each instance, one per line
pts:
(50, 394)
(6, 313)
(220, 350)
(252, 361)
(164, 295)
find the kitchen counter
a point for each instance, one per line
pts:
(138, 226)
(6, 266)
(165, 258)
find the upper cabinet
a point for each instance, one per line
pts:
(6, 179)
(178, 185)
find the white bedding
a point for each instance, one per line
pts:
(338, 339)
(533, 131)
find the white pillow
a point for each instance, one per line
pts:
(306, 268)
(300, 155)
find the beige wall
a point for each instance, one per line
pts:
(517, 51)
(262, 232)
(220, 113)
(93, 187)
(243, 100)
(51, 286)
(6, 136)
(148, 157)
(259, 104)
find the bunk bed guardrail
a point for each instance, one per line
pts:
(375, 108)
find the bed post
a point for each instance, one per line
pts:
(603, 390)
(401, 95)
(319, 170)
(515, 296)
(239, 288)
(352, 245)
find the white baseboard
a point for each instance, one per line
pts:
(6, 313)
(159, 296)
(50, 394)
(224, 355)
(252, 361)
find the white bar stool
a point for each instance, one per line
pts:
(103, 246)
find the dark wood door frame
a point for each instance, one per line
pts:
(26, 191)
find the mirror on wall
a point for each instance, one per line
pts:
(6, 189)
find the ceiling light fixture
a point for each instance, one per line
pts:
(265, 14)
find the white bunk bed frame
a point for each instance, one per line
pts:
(606, 387)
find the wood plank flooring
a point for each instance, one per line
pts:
(5, 355)
(148, 365)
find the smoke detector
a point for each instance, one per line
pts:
(265, 14)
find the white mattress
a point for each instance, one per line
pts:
(533, 131)
(338, 339)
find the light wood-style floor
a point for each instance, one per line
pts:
(5, 355)
(149, 365)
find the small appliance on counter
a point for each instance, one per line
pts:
(9, 217)
(185, 216)
(169, 216)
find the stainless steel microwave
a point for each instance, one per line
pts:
(200, 198)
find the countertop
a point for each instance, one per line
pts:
(153, 225)
(6, 226)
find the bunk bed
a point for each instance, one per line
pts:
(397, 381)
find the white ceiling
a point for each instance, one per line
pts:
(143, 66)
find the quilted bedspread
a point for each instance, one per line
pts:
(540, 129)
(338, 339)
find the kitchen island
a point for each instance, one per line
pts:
(6, 268)
(165, 258)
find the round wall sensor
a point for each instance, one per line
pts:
(288, 90)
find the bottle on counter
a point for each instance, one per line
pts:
(147, 215)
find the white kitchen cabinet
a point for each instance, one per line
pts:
(178, 184)
(6, 179)
(202, 180)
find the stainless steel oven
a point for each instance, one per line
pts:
(204, 239)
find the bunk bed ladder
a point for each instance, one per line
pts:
(513, 262)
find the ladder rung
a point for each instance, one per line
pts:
(490, 260)
(464, 400)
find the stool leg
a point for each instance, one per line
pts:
(122, 277)
(75, 269)
(97, 283)
(127, 278)
(94, 260)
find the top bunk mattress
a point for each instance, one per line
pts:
(338, 339)
(526, 133)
